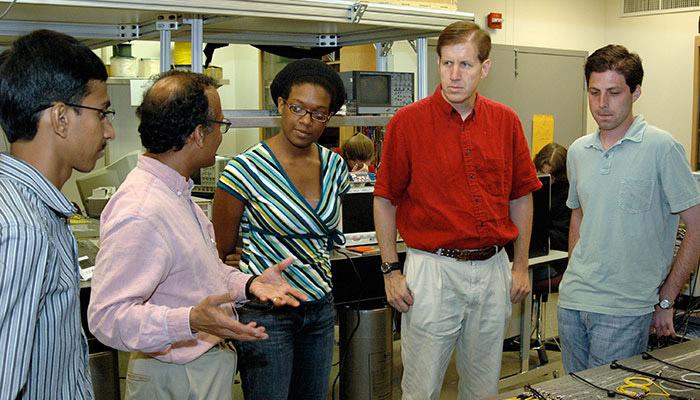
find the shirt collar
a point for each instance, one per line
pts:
(171, 178)
(635, 133)
(446, 108)
(25, 174)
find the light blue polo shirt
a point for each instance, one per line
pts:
(630, 196)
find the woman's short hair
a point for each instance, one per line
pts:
(309, 70)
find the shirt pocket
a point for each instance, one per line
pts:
(635, 195)
(492, 172)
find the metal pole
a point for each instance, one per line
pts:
(197, 44)
(422, 54)
(165, 60)
(381, 58)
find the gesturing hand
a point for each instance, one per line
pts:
(272, 286)
(209, 317)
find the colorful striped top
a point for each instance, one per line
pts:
(279, 222)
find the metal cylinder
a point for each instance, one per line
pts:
(366, 353)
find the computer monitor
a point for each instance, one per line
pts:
(111, 175)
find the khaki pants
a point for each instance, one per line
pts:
(208, 377)
(460, 306)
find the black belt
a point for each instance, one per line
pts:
(470, 254)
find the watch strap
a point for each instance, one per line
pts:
(387, 267)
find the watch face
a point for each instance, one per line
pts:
(388, 267)
(665, 304)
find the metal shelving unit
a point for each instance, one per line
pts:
(306, 23)
(266, 119)
(299, 23)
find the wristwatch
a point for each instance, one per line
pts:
(665, 304)
(390, 266)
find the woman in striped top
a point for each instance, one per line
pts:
(284, 195)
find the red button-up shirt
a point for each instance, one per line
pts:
(452, 180)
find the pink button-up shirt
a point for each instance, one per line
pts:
(157, 260)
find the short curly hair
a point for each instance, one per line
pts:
(309, 70)
(169, 117)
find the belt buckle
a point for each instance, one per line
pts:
(466, 254)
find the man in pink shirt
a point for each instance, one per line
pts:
(160, 290)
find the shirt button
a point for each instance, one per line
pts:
(482, 224)
(472, 176)
(179, 193)
(476, 200)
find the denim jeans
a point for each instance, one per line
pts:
(295, 361)
(591, 339)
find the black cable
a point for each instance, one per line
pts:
(680, 382)
(343, 356)
(646, 356)
(610, 393)
(535, 392)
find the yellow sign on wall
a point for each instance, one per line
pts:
(542, 131)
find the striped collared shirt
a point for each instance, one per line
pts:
(44, 351)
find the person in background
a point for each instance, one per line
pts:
(358, 152)
(284, 194)
(628, 183)
(159, 289)
(56, 114)
(551, 159)
(456, 179)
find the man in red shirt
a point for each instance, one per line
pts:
(456, 180)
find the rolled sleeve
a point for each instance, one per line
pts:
(235, 282)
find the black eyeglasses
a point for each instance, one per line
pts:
(224, 125)
(107, 114)
(300, 111)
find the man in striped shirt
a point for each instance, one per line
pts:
(54, 109)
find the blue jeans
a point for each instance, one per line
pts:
(295, 361)
(591, 339)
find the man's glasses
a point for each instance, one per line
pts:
(300, 111)
(224, 125)
(107, 114)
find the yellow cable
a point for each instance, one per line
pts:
(640, 387)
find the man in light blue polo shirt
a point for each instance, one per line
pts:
(629, 182)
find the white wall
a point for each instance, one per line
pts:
(665, 44)
(240, 65)
(558, 24)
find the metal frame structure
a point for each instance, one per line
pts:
(260, 22)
